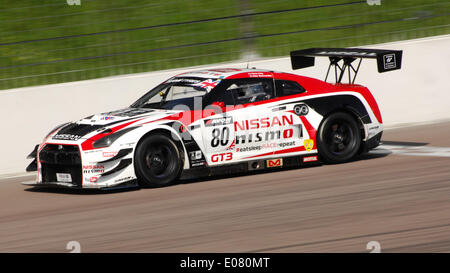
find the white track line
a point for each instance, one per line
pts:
(412, 150)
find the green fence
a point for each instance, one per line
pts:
(43, 42)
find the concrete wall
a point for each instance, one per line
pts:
(417, 93)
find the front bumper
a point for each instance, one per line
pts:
(64, 165)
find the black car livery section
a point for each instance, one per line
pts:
(75, 131)
(129, 112)
(326, 105)
(195, 155)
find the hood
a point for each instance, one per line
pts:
(83, 128)
(114, 117)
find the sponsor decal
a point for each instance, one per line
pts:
(265, 122)
(131, 144)
(309, 144)
(218, 121)
(128, 112)
(274, 162)
(107, 118)
(280, 108)
(92, 169)
(93, 179)
(260, 75)
(222, 157)
(123, 179)
(353, 53)
(264, 136)
(249, 149)
(269, 145)
(93, 151)
(200, 163)
(310, 158)
(389, 61)
(196, 158)
(66, 137)
(265, 146)
(286, 144)
(301, 109)
(109, 154)
(195, 155)
(183, 80)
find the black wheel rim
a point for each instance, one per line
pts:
(158, 160)
(340, 138)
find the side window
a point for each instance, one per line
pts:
(251, 90)
(219, 94)
(287, 88)
(227, 99)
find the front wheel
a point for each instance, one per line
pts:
(157, 161)
(339, 138)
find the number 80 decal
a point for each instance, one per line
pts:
(220, 136)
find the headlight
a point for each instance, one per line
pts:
(109, 139)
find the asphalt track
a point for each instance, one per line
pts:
(398, 195)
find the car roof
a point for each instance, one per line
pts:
(223, 73)
(238, 73)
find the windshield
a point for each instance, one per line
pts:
(176, 91)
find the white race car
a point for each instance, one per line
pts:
(219, 121)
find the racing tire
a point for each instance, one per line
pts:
(339, 138)
(157, 161)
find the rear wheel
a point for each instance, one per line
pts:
(339, 138)
(157, 161)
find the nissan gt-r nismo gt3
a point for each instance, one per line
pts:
(211, 120)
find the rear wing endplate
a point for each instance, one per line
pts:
(387, 60)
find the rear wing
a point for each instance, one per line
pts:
(387, 60)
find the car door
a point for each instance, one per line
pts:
(218, 126)
(252, 120)
(268, 129)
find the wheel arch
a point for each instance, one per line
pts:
(169, 132)
(352, 113)
(347, 103)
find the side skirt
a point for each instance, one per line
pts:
(251, 166)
